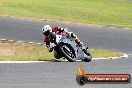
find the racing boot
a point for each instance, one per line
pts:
(56, 55)
(79, 43)
(49, 49)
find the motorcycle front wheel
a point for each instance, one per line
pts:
(68, 52)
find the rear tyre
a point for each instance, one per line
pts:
(89, 56)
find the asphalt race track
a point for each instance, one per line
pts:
(63, 74)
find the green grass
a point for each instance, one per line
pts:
(104, 53)
(104, 12)
(23, 52)
(33, 52)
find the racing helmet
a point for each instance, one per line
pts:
(46, 30)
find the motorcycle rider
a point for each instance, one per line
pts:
(58, 30)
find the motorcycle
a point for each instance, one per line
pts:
(65, 46)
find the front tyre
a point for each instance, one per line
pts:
(68, 52)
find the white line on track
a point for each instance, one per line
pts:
(124, 56)
(23, 61)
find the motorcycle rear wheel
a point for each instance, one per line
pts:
(89, 56)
